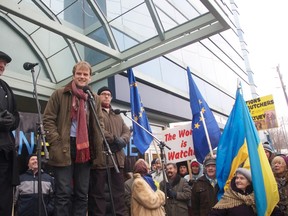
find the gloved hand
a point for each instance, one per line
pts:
(119, 142)
(168, 186)
(113, 147)
(171, 194)
(6, 119)
(191, 182)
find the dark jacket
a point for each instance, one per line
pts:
(177, 206)
(7, 140)
(57, 124)
(26, 194)
(203, 196)
(114, 127)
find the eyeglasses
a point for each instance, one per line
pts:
(106, 94)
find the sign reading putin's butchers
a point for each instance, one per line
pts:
(263, 112)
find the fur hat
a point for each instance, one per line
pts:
(245, 172)
(5, 57)
(104, 88)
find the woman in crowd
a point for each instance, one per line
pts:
(146, 199)
(279, 166)
(238, 199)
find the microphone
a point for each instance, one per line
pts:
(118, 111)
(86, 89)
(29, 66)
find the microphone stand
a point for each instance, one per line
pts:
(40, 139)
(161, 145)
(107, 152)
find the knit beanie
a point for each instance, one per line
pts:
(285, 159)
(267, 147)
(104, 88)
(245, 172)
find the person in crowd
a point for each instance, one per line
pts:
(177, 191)
(268, 151)
(238, 199)
(205, 189)
(182, 168)
(117, 135)
(153, 166)
(279, 167)
(27, 196)
(196, 172)
(9, 121)
(127, 195)
(157, 175)
(74, 135)
(146, 199)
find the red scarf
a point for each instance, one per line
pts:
(78, 112)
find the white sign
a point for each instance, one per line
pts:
(179, 139)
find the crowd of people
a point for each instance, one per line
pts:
(86, 140)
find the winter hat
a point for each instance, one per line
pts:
(104, 88)
(267, 147)
(209, 161)
(285, 159)
(29, 156)
(245, 172)
(194, 163)
(5, 57)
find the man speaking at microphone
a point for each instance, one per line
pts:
(117, 135)
(75, 139)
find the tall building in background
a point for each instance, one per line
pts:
(158, 39)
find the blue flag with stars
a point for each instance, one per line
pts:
(198, 105)
(141, 138)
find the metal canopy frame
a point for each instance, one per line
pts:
(203, 26)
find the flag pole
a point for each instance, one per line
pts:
(206, 133)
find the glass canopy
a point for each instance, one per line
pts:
(112, 35)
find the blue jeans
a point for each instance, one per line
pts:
(71, 189)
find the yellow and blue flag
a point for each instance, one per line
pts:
(239, 142)
(198, 105)
(141, 138)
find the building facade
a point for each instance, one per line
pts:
(158, 39)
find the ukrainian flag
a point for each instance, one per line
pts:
(239, 142)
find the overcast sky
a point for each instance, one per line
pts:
(265, 31)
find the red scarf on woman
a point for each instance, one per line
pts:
(78, 112)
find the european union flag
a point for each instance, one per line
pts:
(141, 138)
(238, 142)
(198, 106)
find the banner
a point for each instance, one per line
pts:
(179, 139)
(263, 112)
(26, 140)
